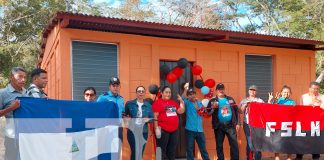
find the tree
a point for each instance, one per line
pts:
(22, 23)
(293, 18)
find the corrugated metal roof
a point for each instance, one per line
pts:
(119, 25)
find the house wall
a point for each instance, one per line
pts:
(139, 65)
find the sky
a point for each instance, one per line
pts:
(115, 3)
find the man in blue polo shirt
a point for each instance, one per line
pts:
(194, 126)
(9, 103)
(113, 96)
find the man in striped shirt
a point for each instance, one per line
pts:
(39, 82)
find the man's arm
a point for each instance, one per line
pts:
(182, 107)
(13, 106)
(211, 105)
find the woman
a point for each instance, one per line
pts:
(89, 94)
(141, 112)
(244, 109)
(282, 98)
(166, 127)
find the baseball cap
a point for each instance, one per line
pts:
(253, 87)
(220, 86)
(114, 80)
(190, 91)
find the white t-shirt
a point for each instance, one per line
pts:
(309, 100)
(248, 100)
(139, 113)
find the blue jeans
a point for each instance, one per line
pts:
(230, 131)
(256, 155)
(191, 136)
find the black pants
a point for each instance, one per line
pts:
(230, 132)
(11, 149)
(300, 156)
(137, 139)
(168, 144)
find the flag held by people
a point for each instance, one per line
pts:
(57, 129)
(286, 129)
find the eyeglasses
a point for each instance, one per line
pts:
(89, 94)
(140, 91)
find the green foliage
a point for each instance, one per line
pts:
(22, 21)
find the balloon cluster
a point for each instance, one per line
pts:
(205, 89)
(204, 86)
(176, 72)
(173, 75)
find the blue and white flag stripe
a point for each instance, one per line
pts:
(56, 129)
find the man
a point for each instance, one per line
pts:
(194, 126)
(224, 121)
(39, 82)
(113, 95)
(312, 98)
(9, 103)
(244, 109)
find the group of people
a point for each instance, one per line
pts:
(9, 102)
(162, 113)
(312, 98)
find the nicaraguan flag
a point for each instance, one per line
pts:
(66, 130)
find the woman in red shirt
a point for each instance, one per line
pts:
(166, 127)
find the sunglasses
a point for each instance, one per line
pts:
(140, 91)
(89, 94)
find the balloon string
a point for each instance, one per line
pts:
(201, 77)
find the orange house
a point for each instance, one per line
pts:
(81, 50)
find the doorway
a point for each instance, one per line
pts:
(176, 88)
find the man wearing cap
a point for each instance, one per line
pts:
(113, 95)
(224, 113)
(243, 108)
(194, 126)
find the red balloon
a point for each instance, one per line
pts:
(210, 83)
(196, 70)
(177, 71)
(171, 77)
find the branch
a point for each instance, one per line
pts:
(320, 77)
(271, 17)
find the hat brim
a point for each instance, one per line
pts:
(118, 83)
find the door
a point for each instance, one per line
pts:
(177, 89)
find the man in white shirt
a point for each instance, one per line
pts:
(312, 98)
